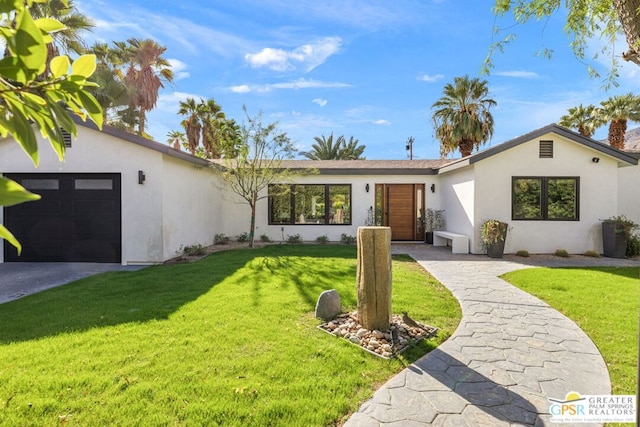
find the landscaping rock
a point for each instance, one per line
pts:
(328, 305)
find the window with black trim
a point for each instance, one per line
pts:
(310, 204)
(545, 198)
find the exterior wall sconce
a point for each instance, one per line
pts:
(595, 159)
(141, 177)
(433, 188)
(366, 188)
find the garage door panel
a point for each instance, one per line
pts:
(68, 224)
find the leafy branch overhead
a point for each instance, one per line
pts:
(31, 96)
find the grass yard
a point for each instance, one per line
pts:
(230, 339)
(603, 302)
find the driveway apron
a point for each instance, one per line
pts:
(509, 355)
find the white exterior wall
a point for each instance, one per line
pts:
(629, 192)
(598, 195)
(457, 195)
(191, 208)
(361, 201)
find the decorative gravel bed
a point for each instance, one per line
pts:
(385, 344)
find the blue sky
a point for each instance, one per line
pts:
(368, 69)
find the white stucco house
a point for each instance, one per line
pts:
(121, 198)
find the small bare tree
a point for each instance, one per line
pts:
(262, 149)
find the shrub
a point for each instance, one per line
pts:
(522, 253)
(243, 237)
(265, 238)
(592, 254)
(633, 245)
(347, 239)
(493, 231)
(561, 253)
(192, 250)
(323, 240)
(293, 239)
(220, 239)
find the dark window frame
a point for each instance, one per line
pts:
(544, 197)
(292, 205)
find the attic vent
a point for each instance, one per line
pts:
(546, 149)
(66, 136)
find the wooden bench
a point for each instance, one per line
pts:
(459, 242)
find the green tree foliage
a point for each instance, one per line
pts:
(206, 124)
(338, 149)
(258, 164)
(586, 20)
(461, 118)
(176, 139)
(618, 110)
(110, 91)
(32, 99)
(583, 119)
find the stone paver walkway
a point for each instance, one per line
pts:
(510, 353)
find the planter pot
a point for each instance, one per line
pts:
(496, 250)
(428, 237)
(614, 240)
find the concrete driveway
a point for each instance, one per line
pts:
(18, 279)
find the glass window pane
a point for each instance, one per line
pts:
(527, 198)
(41, 184)
(280, 204)
(340, 204)
(93, 184)
(310, 204)
(379, 206)
(562, 198)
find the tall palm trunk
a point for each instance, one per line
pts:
(628, 14)
(466, 147)
(617, 131)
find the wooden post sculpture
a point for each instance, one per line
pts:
(374, 277)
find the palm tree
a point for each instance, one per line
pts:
(461, 118)
(212, 119)
(146, 71)
(111, 93)
(325, 149)
(191, 124)
(68, 40)
(176, 138)
(351, 150)
(585, 119)
(619, 110)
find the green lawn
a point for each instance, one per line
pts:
(230, 339)
(603, 302)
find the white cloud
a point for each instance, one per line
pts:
(430, 79)
(178, 67)
(381, 122)
(518, 74)
(321, 102)
(296, 84)
(307, 56)
(240, 89)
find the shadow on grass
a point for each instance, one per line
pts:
(153, 293)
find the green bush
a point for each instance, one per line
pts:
(265, 238)
(323, 240)
(293, 239)
(592, 254)
(347, 239)
(220, 239)
(633, 245)
(561, 253)
(523, 253)
(192, 250)
(243, 237)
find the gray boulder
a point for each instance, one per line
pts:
(328, 305)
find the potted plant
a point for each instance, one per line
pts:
(615, 235)
(432, 220)
(493, 233)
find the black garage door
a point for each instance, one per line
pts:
(77, 218)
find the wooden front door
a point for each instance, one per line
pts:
(399, 206)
